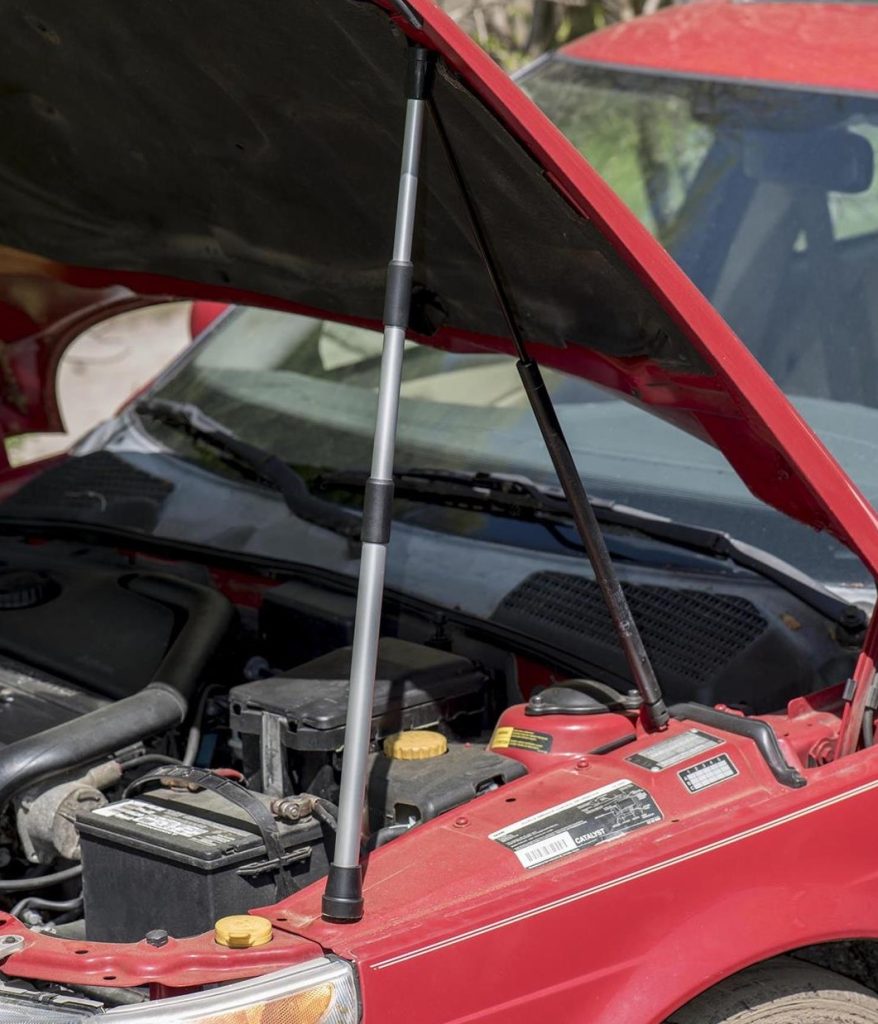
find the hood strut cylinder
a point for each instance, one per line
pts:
(587, 526)
(343, 896)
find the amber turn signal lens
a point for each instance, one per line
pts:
(306, 1008)
(321, 991)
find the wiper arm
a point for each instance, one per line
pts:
(720, 544)
(516, 496)
(188, 418)
(520, 497)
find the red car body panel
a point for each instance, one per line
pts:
(455, 928)
(816, 46)
(40, 315)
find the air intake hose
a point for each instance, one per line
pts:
(203, 617)
(156, 708)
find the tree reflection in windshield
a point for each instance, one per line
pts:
(767, 197)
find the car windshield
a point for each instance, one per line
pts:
(306, 389)
(768, 198)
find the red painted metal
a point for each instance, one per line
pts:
(626, 931)
(863, 676)
(455, 928)
(623, 932)
(823, 46)
(181, 963)
(810, 728)
(572, 736)
(629, 930)
(41, 314)
(204, 314)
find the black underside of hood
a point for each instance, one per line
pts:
(256, 145)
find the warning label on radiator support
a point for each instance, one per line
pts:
(672, 751)
(508, 738)
(597, 817)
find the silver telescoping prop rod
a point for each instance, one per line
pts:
(343, 896)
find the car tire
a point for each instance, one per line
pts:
(782, 991)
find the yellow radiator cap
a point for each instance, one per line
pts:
(241, 931)
(415, 745)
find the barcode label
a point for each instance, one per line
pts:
(599, 816)
(557, 846)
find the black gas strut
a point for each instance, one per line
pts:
(581, 510)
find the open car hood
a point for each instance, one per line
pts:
(250, 153)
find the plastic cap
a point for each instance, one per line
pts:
(415, 745)
(240, 931)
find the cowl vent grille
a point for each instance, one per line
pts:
(690, 633)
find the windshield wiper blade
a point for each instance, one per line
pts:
(485, 492)
(522, 498)
(191, 420)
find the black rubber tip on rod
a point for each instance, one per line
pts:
(343, 895)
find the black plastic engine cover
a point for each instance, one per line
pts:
(102, 626)
(31, 701)
(415, 686)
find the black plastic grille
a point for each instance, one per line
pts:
(688, 632)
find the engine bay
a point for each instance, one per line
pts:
(173, 736)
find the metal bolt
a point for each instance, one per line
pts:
(582, 763)
(461, 821)
(10, 944)
(157, 937)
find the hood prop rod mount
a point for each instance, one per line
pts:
(343, 895)
(587, 525)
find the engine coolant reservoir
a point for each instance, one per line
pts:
(560, 722)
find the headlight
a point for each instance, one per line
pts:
(318, 992)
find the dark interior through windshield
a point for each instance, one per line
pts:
(767, 197)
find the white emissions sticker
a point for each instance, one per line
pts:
(672, 751)
(596, 817)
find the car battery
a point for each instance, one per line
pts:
(179, 860)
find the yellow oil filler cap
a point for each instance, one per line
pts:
(415, 745)
(240, 931)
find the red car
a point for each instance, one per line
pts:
(320, 699)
